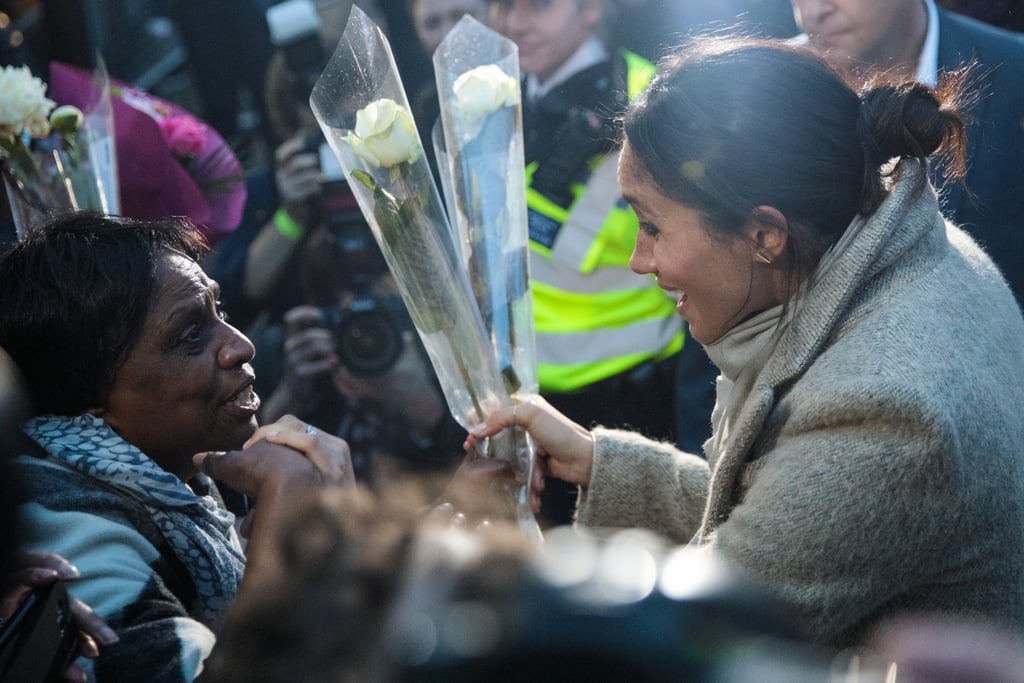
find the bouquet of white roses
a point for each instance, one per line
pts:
(362, 108)
(47, 153)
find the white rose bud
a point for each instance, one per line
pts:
(66, 119)
(482, 90)
(384, 135)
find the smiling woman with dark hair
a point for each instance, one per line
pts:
(857, 468)
(138, 382)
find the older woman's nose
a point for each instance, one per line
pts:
(235, 349)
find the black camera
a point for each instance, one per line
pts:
(368, 332)
(294, 30)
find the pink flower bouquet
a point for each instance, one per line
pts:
(169, 162)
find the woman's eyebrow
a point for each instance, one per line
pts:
(632, 201)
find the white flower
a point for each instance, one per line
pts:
(23, 104)
(385, 134)
(482, 90)
(66, 119)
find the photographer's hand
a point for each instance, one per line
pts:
(298, 178)
(309, 356)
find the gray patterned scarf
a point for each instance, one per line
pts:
(198, 528)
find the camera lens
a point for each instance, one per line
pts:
(368, 342)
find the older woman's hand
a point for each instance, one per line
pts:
(565, 449)
(278, 465)
(285, 454)
(469, 497)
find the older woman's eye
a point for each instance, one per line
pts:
(191, 338)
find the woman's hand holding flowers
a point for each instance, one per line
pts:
(565, 450)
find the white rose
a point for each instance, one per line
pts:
(482, 90)
(23, 104)
(385, 134)
(66, 119)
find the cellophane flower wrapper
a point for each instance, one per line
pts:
(64, 170)
(169, 162)
(362, 108)
(99, 124)
(447, 192)
(482, 163)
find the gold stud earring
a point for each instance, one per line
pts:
(762, 258)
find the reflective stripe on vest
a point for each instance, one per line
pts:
(576, 239)
(573, 369)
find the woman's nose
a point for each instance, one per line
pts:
(640, 260)
(236, 348)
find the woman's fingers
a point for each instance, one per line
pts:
(92, 625)
(568, 446)
(286, 422)
(330, 454)
(537, 484)
(75, 674)
(48, 562)
(252, 467)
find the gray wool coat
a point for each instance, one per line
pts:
(870, 471)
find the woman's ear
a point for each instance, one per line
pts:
(768, 231)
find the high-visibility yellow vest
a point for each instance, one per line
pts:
(593, 316)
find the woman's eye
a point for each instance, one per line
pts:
(649, 229)
(192, 338)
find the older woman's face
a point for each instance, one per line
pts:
(187, 385)
(713, 280)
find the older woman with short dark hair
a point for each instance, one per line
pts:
(137, 382)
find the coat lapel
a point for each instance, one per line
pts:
(878, 242)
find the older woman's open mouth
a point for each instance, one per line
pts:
(245, 402)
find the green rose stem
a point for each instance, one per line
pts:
(407, 240)
(21, 171)
(484, 191)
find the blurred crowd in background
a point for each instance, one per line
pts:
(211, 58)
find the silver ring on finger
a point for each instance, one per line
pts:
(311, 430)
